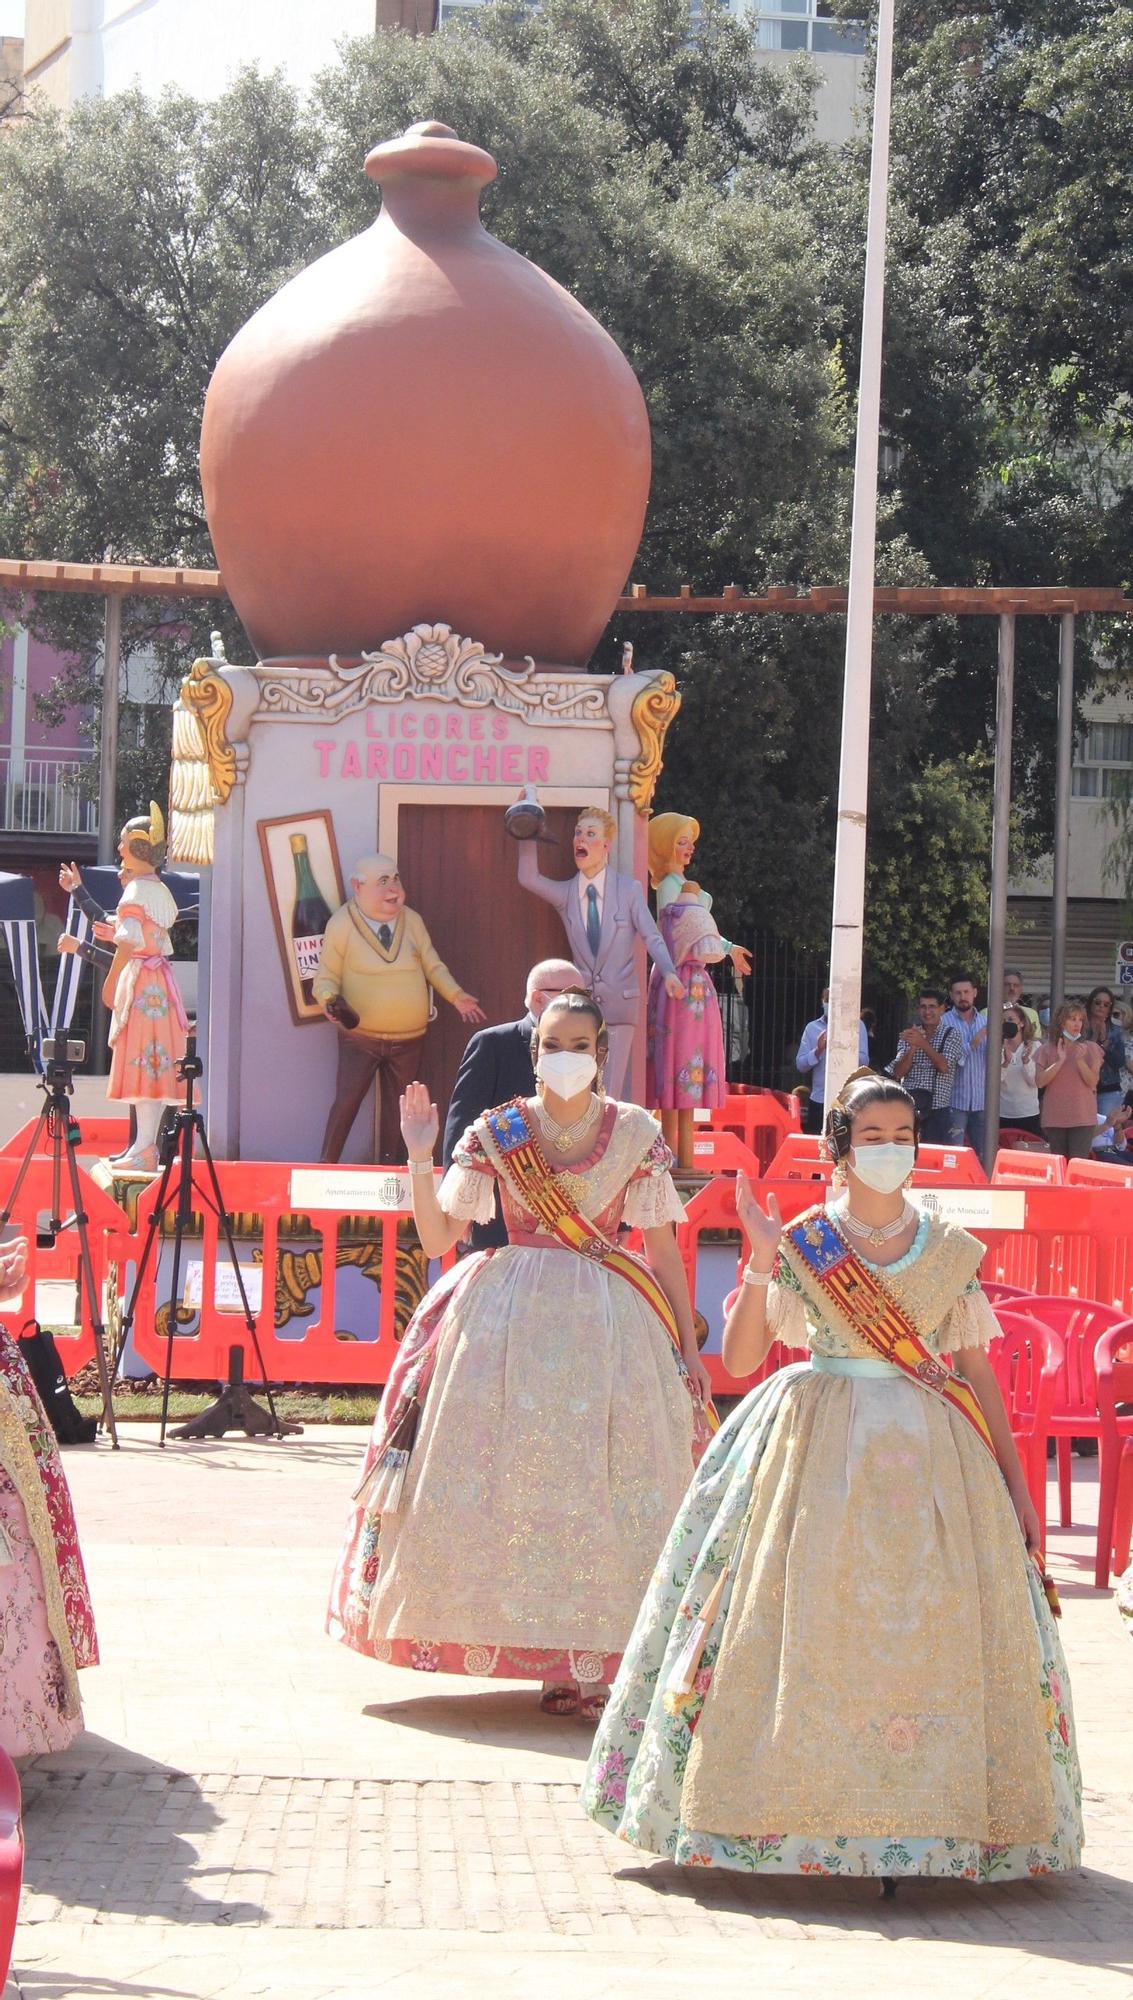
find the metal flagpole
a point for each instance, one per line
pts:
(853, 776)
(107, 795)
(108, 731)
(1062, 781)
(1000, 867)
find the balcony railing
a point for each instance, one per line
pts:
(45, 794)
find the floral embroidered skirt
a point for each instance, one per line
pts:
(685, 1067)
(883, 1690)
(33, 1695)
(553, 1450)
(150, 1040)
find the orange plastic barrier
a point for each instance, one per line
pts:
(205, 1333)
(1074, 1241)
(106, 1231)
(800, 1158)
(713, 1207)
(1018, 1169)
(723, 1153)
(101, 1138)
(761, 1119)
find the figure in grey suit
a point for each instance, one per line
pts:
(603, 914)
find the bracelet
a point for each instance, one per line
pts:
(421, 1166)
(757, 1278)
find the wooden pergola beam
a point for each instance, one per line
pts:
(110, 580)
(953, 601)
(916, 601)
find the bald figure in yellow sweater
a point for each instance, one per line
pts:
(377, 965)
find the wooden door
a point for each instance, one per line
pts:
(458, 864)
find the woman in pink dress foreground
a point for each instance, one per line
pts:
(538, 1430)
(46, 1623)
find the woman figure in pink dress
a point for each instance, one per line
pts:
(686, 1069)
(148, 1027)
(46, 1623)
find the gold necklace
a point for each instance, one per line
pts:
(563, 1138)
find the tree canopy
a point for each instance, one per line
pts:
(672, 181)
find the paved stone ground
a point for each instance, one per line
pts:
(254, 1810)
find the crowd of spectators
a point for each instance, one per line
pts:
(1066, 1080)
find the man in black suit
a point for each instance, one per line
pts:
(496, 1066)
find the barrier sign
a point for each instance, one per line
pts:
(1123, 969)
(356, 1190)
(226, 1292)
(974, 1208)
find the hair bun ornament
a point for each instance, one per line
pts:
(855, 1076)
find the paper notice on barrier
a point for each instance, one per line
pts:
(226, 1292)
(355, 1190)
(974, 1207)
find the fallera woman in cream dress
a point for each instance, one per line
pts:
(881, 1689)
(555, 1436)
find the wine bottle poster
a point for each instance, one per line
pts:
(305, 887)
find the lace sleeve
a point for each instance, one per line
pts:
(651, 1200)
(969, 1323)
(786, 1315)
(468, 1190)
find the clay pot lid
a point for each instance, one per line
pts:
(432, 151)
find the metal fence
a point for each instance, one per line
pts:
(763, 1023)
(45, 794)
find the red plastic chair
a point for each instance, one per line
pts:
(949, 1166)
(1115, 1454)
(1028, 1358)
(1015, 1168)
(1123, 1511)
(994, 1291)
(1098, 1173)
(1013, 1140)
(11, 1859)
(1075, 1413)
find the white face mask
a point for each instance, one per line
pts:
(566, 1071)
(883, 1168)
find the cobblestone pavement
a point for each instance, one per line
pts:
(486, 1857)
(253, 1810)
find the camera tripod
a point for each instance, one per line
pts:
(62, 1128)
(235, 1405)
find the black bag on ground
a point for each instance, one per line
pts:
(46, 1371)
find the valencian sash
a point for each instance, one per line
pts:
(875, 1314)
(540, 1190)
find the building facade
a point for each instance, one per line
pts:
(91, 48)
(1099, 914)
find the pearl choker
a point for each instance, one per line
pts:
(866, 1230)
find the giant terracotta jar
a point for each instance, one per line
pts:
(424, 425)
